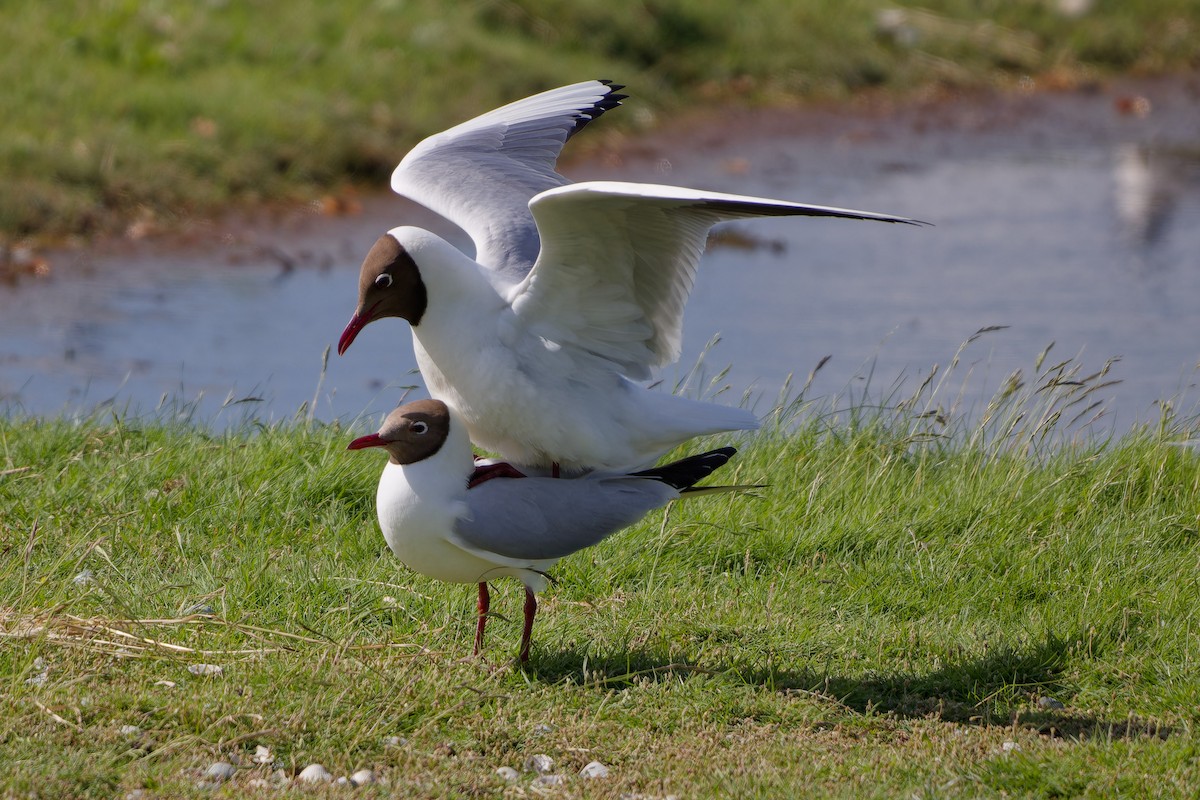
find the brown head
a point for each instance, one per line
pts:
(389, 285)
(411, 433)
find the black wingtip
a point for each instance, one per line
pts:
(686, 472)
(606, 103)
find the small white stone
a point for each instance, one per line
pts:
(1009, 746)
(41, 674)
(508, 773)
(362, 777)
(541, 763)
(549, 780)
(594, 769)
(543, 729)
(394, 741)
(130, 730)
(205, 669)
(262, 755)
(166, 683)
(220, 771)
(342, 781)
(314, 773)
(198, 608)
(388, 600)
(1049, 703)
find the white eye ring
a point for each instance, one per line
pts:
(384, 281)
(419, 427)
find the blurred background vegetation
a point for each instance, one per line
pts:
(124, 110)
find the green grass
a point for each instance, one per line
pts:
(882, 620)
(122, 111)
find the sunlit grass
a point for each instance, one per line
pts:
(901, 610)
(120, 112)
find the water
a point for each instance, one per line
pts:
(1064, 229)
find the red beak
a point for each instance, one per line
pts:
(355, 325)
(362, 442)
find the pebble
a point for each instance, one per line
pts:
(199, 608)
(541, 763)
(342, 781)
(205, 669)
(1049, 702)
(543, 729)
(394, 741)
(508, 773)
(314, 773)
(262, 755)
(594, 769)
(549, 780)
(130, 730)
(362, 777)
(220, 771)
(166, 683)
(1009, 746)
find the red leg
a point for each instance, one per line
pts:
(485, 602)
(527, 632)
(500, 470)
(554, 470)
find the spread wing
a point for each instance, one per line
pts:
(533, 519)
(481, 174)
(618, 261)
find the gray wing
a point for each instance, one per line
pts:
(481, 174)
(547, 518)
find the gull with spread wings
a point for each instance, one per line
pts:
(575, 293)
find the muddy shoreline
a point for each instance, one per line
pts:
(861, 134)
(1065, 217)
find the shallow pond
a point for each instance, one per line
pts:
(1072, 219)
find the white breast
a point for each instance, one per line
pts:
(417, 523)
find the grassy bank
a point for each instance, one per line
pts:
(126, 112)
(898, 614)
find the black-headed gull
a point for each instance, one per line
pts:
(576, 290)
(441, 526)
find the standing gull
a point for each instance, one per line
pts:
(576, 291)
(440, 526)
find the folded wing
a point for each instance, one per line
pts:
(534, 519)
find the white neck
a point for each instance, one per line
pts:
(426, 496)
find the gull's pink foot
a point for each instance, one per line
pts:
(485, 603)
(501, 470)
(527, 631)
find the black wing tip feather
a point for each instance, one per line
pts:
(767, 210)
(610, 101)
(686, 472)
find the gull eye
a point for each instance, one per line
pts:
(384, 281)
(419, 427)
